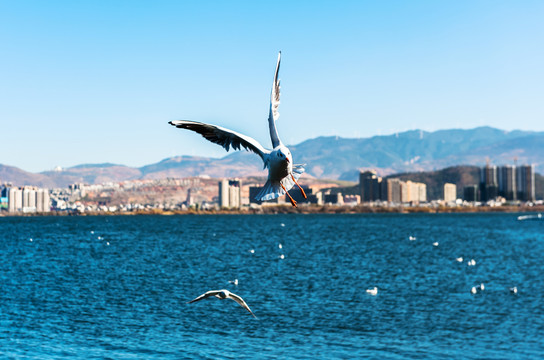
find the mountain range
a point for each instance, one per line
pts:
(326, 157)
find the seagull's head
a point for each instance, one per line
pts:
(284, 154)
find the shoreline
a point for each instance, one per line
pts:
(288, 209)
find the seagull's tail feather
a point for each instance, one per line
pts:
(273, 189)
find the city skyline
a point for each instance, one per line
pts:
(98, 82)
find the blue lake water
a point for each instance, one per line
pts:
(117, 287)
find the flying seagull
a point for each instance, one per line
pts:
(224, 294)
(282, 173)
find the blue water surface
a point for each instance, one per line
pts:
(117, 287)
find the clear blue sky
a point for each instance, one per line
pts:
(97, 81)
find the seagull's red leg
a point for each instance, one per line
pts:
(301, 190)
(293, 202)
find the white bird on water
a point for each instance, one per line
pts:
(234, 282)
(459, 259)
(224, 294)
(514, 290)
(475, 289)
(282, 173)
(373, 291)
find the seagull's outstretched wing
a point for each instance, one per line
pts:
(221, 136)
(205, 295)
(242, 303)
(274, 104)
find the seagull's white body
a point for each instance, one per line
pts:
(224, 294)
(373, 291)
(282, 173)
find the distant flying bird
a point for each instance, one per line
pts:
(282, 173)
(224, 294)
(234, 282)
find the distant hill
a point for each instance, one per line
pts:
(410, 151)
(93, 174)
(20, 177)
(326, 157)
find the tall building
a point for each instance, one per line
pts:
(450, 192)
(15, 200)
(224, 193)
(29, 199)
(369, 185)
(43, 201)
(525, 183)
(230, 193)
(404, 192)
(471, 193)
(489, 187)
(415, 192)
(392, 191)
(507, 182)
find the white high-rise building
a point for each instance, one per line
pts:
(15, 201)
(29, 199)
(230, 193)
(43, 202)
(450, 192)
(415, 192)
